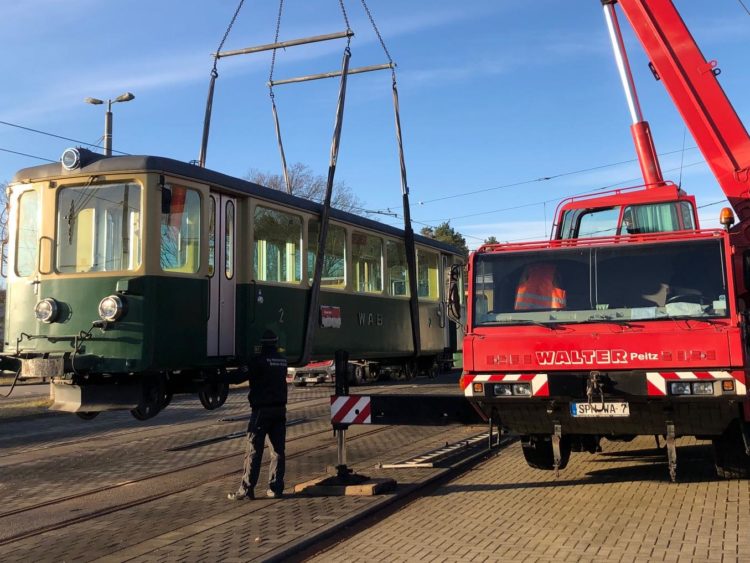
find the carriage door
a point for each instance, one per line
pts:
(222, 275)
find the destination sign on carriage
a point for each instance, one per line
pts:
(330, 317)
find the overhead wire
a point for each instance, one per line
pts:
(27, 155)
(547, 178)
(435, 222)
(48, 134)
(609, 186)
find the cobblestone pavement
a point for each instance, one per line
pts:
(615, 506)
(45, 459)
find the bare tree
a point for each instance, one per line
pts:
(308, 185)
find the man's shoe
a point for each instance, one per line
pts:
(241, 495)
(273, 494)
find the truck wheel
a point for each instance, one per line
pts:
(537, 450)
(359, 375)
(730, 456)
(299, 384)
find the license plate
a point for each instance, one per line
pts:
(599, 409)
(42, 367)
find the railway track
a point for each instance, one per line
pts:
(185, 427)
(28, 511)
(63, 506)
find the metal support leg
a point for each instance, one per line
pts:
(556, 457)
(745, 431)
(671, 451)
(489, 440)
(341, 469)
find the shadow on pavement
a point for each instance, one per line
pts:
(694, 465)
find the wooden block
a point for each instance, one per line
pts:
(368, 488)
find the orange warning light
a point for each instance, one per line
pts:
(726, 217)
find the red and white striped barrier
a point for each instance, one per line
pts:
(539, 387)
(657, 380)
(350, 410)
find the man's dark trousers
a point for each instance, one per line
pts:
(265, 422)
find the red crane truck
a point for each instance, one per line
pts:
(630, 320)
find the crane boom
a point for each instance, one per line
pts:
(691, 82)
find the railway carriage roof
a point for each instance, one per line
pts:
(123, 164)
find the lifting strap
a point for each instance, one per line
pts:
(411, 258)
(284, 167)
(211, 85)
(313, 308)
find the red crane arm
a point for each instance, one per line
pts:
(692, 84)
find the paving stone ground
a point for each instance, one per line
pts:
(616, 506)
(44, 458)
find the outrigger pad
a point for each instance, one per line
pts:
(334, 486)
(93, 398)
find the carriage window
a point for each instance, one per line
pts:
(180, 230)
(229, 241)
(99, 228)
(367, 255)
(28, 233)
(427, 274)
(398, 274)
(334, 263)
(211, 236)
(278, 246)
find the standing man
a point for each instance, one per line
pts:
(267, 376)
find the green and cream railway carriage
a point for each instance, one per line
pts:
(131, 278)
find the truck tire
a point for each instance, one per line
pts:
(537, 450)
(730, 457)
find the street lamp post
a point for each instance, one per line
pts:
(126, 97)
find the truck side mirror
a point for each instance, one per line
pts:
(454, 293)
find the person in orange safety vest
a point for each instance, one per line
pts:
(539, 289)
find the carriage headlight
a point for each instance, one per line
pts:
(46, 310)
(71, 159)
(111, 308)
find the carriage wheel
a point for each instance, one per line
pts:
(213, 395)
(359, 375)
(155, 398)
(87, 415)
(434, 371)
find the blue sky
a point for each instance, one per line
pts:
(492, 92)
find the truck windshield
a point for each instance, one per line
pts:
(601, 284)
